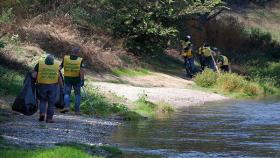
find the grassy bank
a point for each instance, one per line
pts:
(96, 104)
(150, 109)
(234, 85)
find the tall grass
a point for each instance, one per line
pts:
(229, 83)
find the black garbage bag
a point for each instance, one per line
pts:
(25, 102)
(60, 94)
(59, 98)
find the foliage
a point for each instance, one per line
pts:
(96, 104)
(148, 25)
(7, 16)
(229, 83)
(10, 81)
(268, 74)
(258, 2)
(2, 44)
(207, 78)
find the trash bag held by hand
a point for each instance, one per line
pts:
(60, 94)
(25, 102)
(60, 97)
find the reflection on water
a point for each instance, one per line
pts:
(242, 129)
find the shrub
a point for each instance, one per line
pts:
(230, 82)
(207, 78)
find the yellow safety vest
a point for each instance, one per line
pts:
(187, 53)
(47, 74)
(225, 59)
(206, 51)
(72, 67)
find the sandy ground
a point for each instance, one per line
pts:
(178, 97)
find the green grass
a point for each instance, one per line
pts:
(150, 109)
(10, 81)
(131, 72)
(61, 150)
(111, 151)
(97, 104)
(57, 152)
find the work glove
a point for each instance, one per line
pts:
(82, 82)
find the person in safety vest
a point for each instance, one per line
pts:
(207, 54)
(73, 78)
(46, 74)
(187, 54)
(201, 58)
(222, 62)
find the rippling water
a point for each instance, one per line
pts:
(240, 129)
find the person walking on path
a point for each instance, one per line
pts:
(46, 74)
(73, 78)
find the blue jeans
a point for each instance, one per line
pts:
(47, 94)
(67, 93)
(189, 65)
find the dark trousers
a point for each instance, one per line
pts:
(47, 94)
(225, 68)
(189, 65)
(202, 62)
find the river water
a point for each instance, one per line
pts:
(233, 129)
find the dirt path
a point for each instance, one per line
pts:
(178, 97)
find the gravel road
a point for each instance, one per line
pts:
(27, 131)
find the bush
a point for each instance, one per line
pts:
(206, 79)
(230, 82)
(268, 74)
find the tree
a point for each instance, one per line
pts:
(149, 24)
